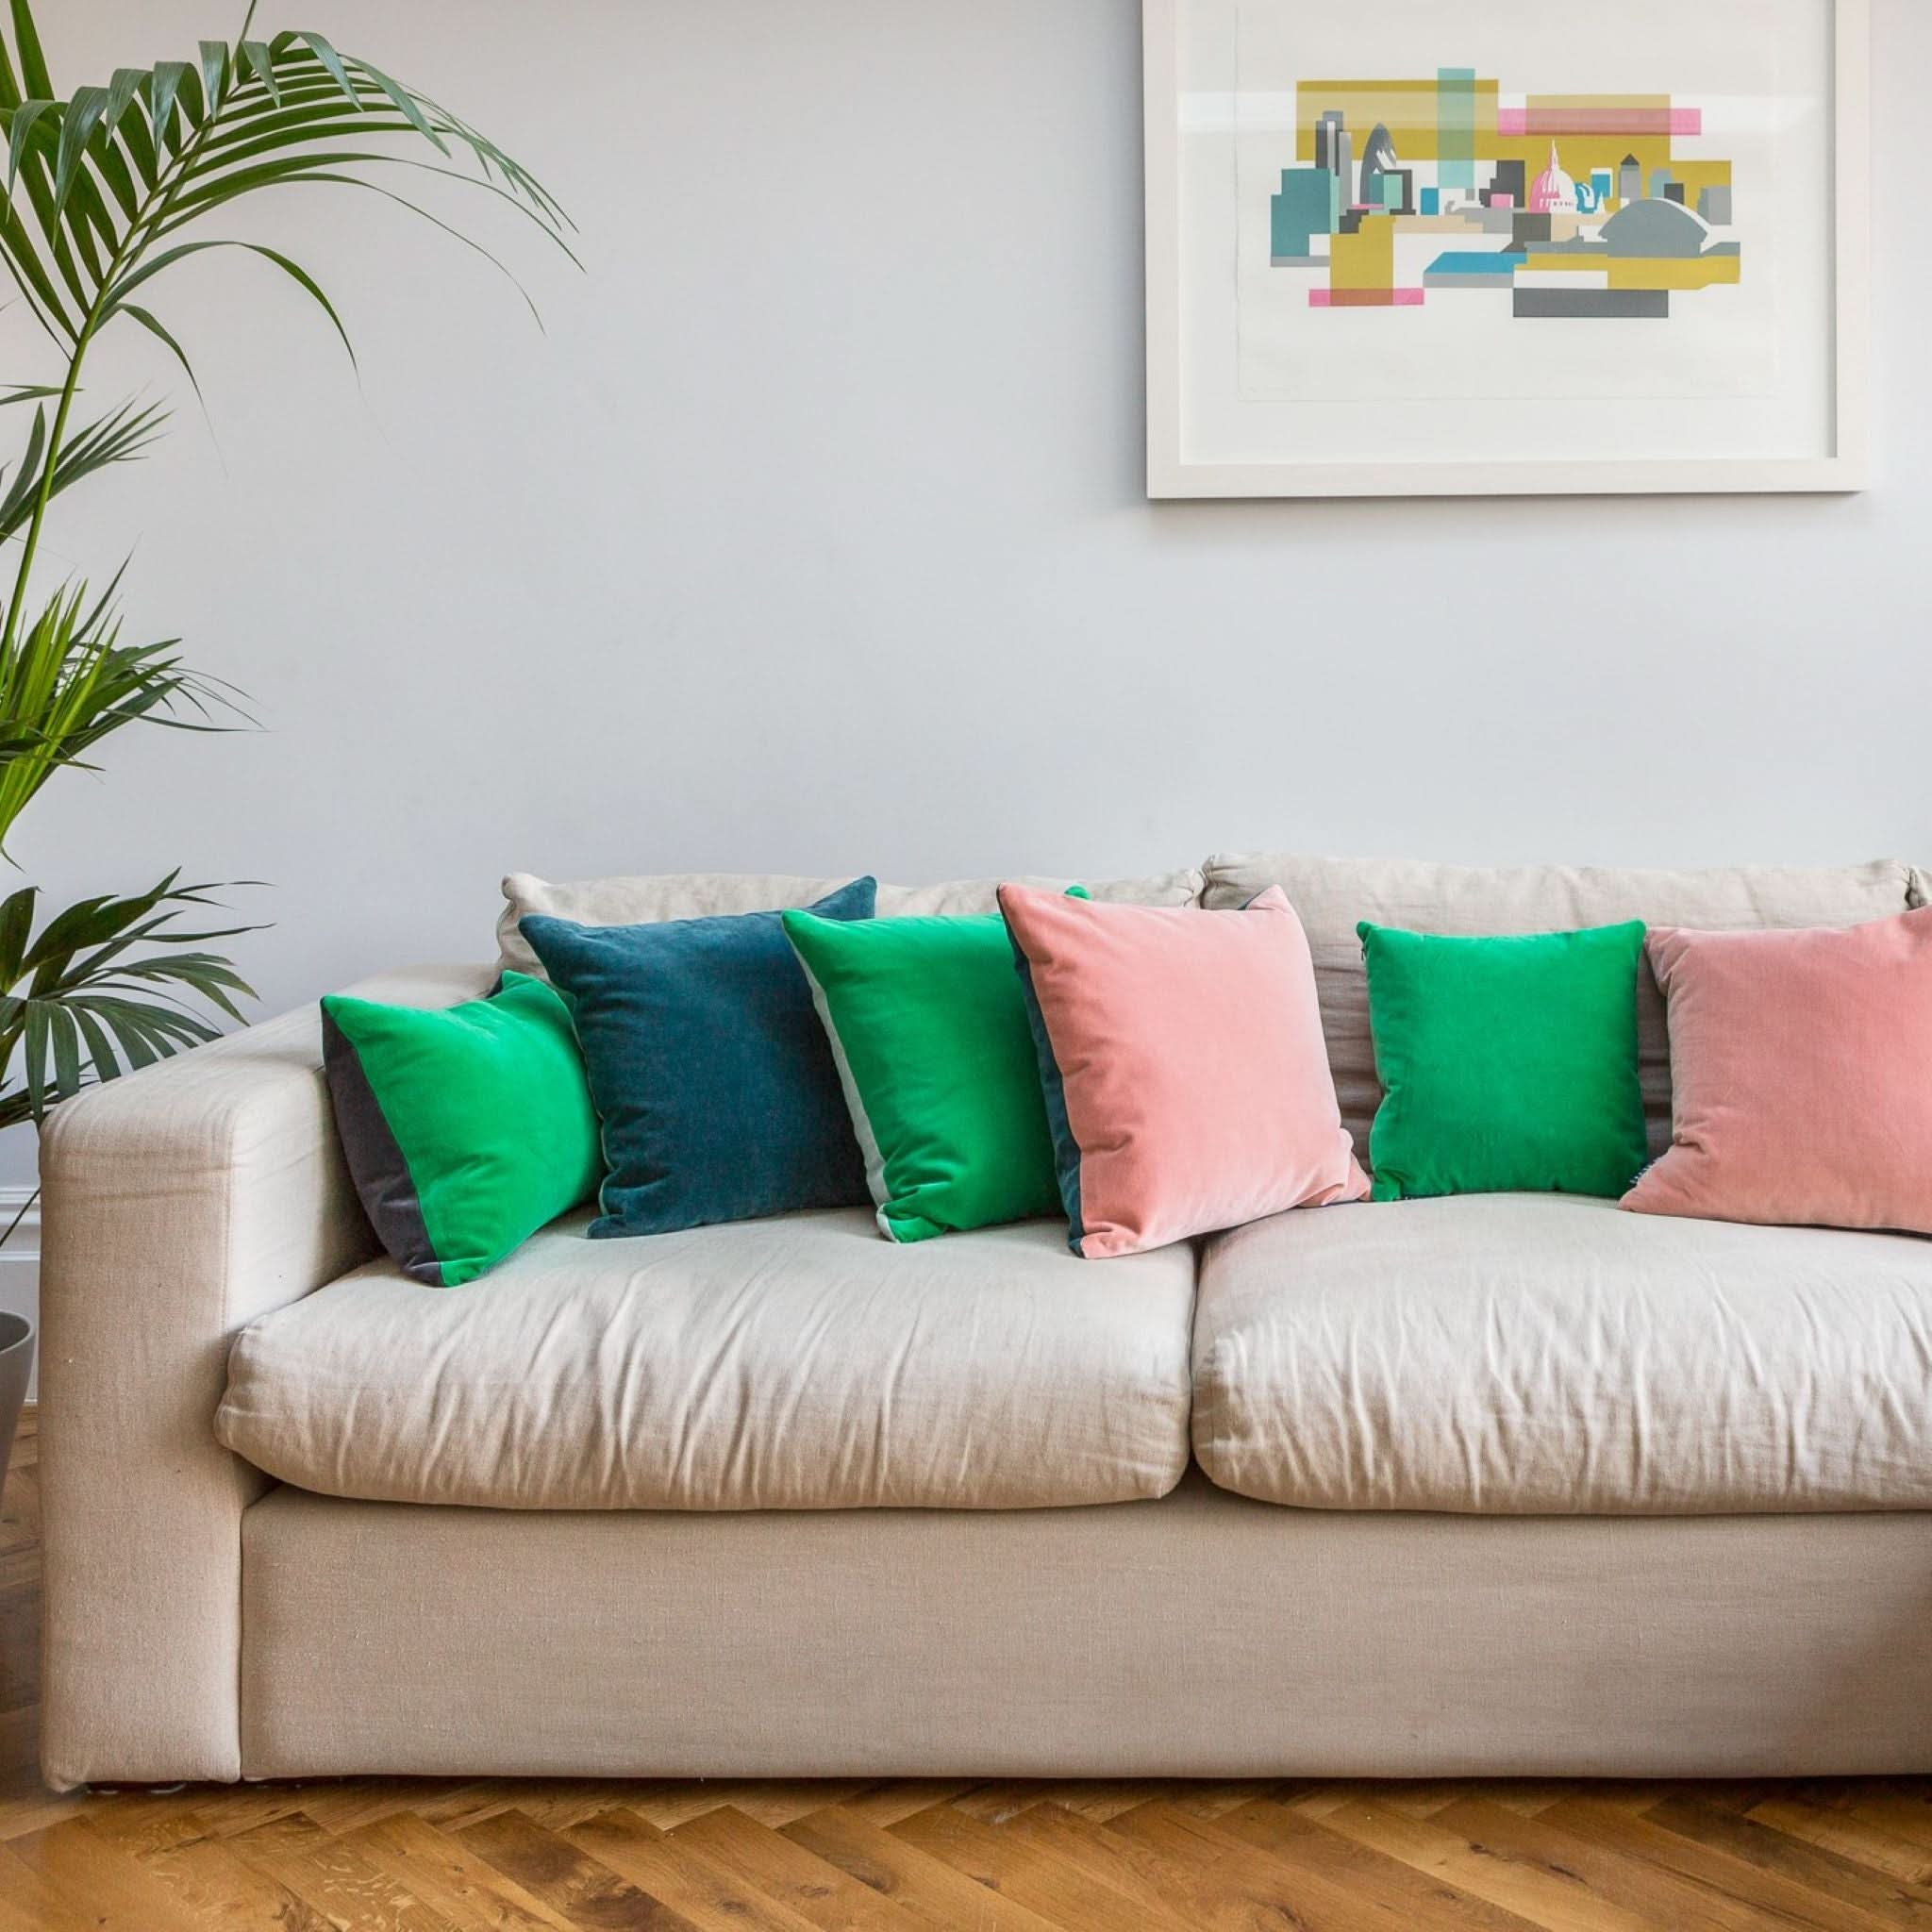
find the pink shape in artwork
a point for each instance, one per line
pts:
(1552, 191)
(1523, 122)
(1502, 201)
(1365, 298)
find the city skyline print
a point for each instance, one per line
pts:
(1412, 191)
(1501, 248)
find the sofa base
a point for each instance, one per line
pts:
(1201, 1636)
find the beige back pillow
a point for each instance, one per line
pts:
(644, 901)
(1331, 894)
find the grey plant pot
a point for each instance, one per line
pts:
(16, 1364)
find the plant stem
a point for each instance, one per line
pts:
(45, 495)
(25, 1208)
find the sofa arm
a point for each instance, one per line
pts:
(181, 1203)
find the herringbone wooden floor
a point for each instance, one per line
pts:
(416, 1856)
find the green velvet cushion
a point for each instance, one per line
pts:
(1508, 1065)
(466, 1128)
(928, 1025)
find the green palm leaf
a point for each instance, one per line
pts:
(108, 986)
(120, 437)
(98, 178)
(70, 682)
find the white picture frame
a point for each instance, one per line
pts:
(1184, 461)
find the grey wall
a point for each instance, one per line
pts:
(812, 535)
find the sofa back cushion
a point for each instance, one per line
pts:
(1332, 896)
(644, 900)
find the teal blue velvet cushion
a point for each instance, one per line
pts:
(715, 1088)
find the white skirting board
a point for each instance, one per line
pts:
(19, 1267)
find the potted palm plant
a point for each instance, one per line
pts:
(110, 188)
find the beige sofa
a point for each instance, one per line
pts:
(1492, 1485)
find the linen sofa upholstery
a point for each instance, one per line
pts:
(206, 1621)
(794, 1363)
(181, 1201)
(642, 901)
(1200, 1636)
(1332, 894)
(1543, 1354)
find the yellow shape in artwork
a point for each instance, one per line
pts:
(1698, 272)
(1409, 109)
(1365, 260)
(1645, 271)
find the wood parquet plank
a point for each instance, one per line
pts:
(588, 1855)
(886, 1803)
(1001, 1799)
(1826, 1874)
(1555, 1899)
(588, 1895)
(1638, 1837)
(223, 1890)
(29, 1904)
(1020, 1868)
(826, 1894)
(1900, 1814)
(1220, 1880)
(1654, 1894)
(771, 1801)
(680, 1875)
(926, 1888)
(1101, 1856)
(100, 1884)
(1838, 1829)
(1102, 1798)
(333, 1877)
(1408, 1895)
(450, 1878)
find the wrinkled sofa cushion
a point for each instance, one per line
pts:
(796, 1363)
(1522, 1355)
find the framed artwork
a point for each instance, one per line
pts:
(1506, 248)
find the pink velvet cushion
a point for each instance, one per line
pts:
(1801, 1074)
(1187, 1080)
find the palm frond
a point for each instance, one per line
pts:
(120, 437)
(69, 682)
(108, 985)
(96, 180)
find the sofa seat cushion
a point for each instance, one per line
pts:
(794, 1364)
(1521, 1354)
